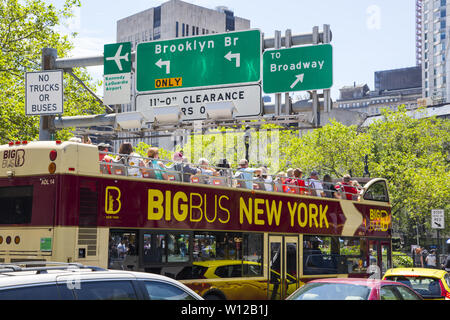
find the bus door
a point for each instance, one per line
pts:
(283, 266)
(379, 256)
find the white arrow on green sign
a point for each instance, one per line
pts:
(199, 61)
(298, 69)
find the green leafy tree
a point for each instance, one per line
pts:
(26, 27)
(412, 154)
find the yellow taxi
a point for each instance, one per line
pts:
(233, 280)
(431, 284)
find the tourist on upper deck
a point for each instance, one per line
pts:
(314, 185)
(206, 171)
(130, 159)
(268, 181)
(104, 157)
(346, 187)
(298, 182)
(188, 170)
(258, 180)
(159, 169)
(224, 172)
(244, 175)
(329, 188)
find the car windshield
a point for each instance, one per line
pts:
(331, 291)
(427, 287)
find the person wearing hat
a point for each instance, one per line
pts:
(244, 175)
(103, 156)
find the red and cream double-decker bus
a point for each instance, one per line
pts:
(222, 241)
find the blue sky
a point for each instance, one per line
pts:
(368, 36)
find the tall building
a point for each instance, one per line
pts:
(392, 88)
(434, 50)
(173, 19)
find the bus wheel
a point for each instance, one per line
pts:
(214, 295)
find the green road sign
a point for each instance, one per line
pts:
(117, 73)
(200, 61)
(298, 68)
(117, 58)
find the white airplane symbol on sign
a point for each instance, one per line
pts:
(117, 57)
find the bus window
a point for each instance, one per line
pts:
(377, 192)
(123, 251)
(333, 255)
(16, 203)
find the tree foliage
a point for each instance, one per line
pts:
(412, 154)
(26, 27)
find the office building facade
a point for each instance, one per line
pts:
(392, 88)
(432, 48)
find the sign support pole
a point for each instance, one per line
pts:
(327, 92)
(277, 95)
(315, 99)
(287, 99)
(48, 61)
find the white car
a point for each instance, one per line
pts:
(71, 281)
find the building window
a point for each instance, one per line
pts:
(157, 17)
(176, 29)
(182, 29)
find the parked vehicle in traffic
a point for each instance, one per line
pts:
(354, 289)
(431, 284)
(73, 281)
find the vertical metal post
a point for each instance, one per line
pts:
(326, 92)
(315, 105)
(287, 44)
(277, 95)
(48, 61)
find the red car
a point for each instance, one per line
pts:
(354, 289)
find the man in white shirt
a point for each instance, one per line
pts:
(314, 185)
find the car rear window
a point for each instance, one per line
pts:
(191, 272)
(331, 291)
(427, 287)
(35, 292)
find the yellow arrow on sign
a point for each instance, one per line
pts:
(353, 218)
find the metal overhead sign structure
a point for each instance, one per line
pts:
(298, 69)
(117, 73)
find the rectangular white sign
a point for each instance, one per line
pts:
(193, 104)
(44, 92)
(116, 88)
(437, 219)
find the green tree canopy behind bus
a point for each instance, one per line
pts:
(26, 27)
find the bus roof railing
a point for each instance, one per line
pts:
(223, 176)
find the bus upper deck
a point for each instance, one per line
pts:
(75, 158)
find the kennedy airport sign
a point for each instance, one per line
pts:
(298, 69)
(198, 62)
(117, 73)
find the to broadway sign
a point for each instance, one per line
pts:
(200, 61)
(298, 69)
(44, 93)
(117, 73)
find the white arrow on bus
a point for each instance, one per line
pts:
(161, 63)
(299, 78)
(236, 56)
